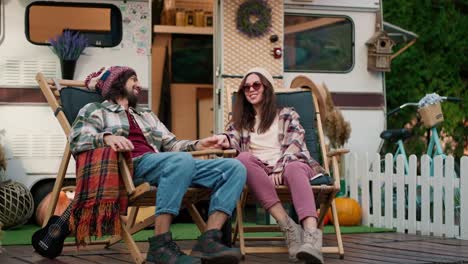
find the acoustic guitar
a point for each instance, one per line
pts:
(48, 241)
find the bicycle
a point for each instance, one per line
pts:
(431, 115)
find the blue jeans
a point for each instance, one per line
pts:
(174, 172)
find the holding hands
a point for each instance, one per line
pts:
(215, 141)
(122, 144)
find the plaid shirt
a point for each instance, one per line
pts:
(98, 119)
(290, 136)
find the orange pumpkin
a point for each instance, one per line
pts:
(62, 205)
(349, 211)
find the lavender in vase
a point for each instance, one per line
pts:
(68, 47)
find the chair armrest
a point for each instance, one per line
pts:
(229, 153)
(126, 175)
(211, 152)
(139, 190)
(337, 152)
(335, 156)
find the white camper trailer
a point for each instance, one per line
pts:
(186, 64)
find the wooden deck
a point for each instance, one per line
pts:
(359, 248)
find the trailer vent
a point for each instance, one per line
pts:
(38, 145)
(21, 72)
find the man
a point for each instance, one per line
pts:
(119, 123)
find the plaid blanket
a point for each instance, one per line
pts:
(100, 196)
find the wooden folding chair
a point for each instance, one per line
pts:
(307, 103)
(142, 195)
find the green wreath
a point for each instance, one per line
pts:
(256, 8)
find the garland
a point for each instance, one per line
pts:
(259, 9)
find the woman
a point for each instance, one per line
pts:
(272, 148)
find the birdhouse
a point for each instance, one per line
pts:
(379, 52)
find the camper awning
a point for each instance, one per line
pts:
(398, 34)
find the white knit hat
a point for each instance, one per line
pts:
(263, 72)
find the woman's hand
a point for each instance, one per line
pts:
(118, 143)
(215, 141)
(277, 178)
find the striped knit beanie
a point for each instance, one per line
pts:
(103, 79)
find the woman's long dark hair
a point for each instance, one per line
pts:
(118, 89)
(243, 113)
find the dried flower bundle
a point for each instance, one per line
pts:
(335, 127)
(69, 45)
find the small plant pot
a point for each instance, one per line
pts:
(68, 69)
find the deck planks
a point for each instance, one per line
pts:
(12, 260)
(378, 248)
(404, 256)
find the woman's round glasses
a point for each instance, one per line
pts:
(256, 85)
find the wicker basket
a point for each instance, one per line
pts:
(431, 115)
(16, 204)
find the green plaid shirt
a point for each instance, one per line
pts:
(98, 119)
(290, 136)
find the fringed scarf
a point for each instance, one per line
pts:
(100, 196)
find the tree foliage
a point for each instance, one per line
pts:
(436, 63)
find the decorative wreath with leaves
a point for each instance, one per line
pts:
(254, 8)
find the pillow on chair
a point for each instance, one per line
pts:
(323, 179)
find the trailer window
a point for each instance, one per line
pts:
(100, 23)
(318, 43)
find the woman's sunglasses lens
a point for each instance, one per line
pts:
(255, 85)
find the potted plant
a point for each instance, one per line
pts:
(68, 46)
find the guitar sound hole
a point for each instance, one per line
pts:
(54, 230)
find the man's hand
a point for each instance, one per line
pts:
(276, 178)
(118, 143)
(215, 141)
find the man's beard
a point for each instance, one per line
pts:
(131, 97)
(132, 100)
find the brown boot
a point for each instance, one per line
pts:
(162, 250)
(210, 249)
(293, 234)
(311, 250)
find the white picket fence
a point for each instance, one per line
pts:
(385, 203)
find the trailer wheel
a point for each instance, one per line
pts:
(41, 190)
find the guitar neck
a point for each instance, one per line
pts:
(67, 213)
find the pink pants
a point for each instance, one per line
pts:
(296, 176)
